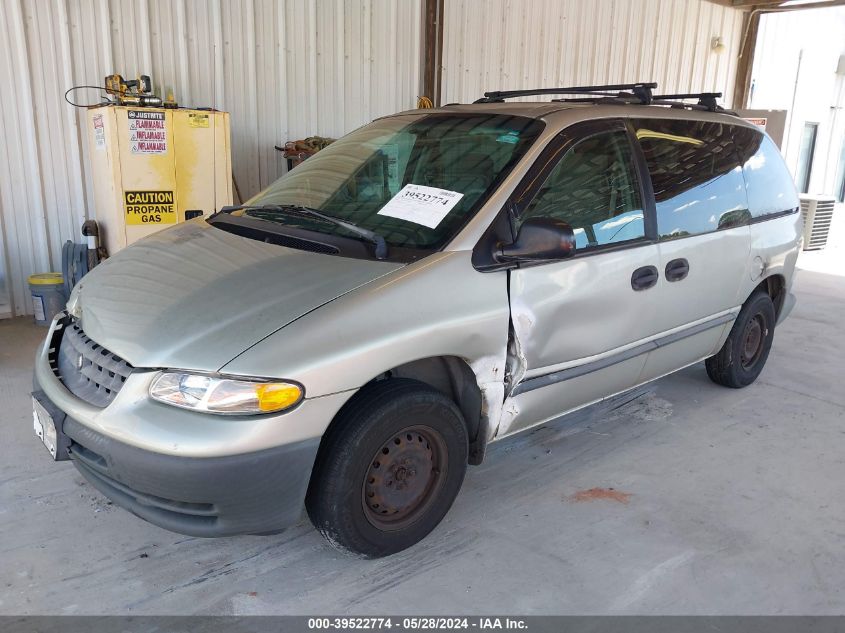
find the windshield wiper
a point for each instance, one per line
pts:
(372, 236)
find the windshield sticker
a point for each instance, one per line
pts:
(421, 205)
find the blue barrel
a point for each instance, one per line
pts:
(48, 296)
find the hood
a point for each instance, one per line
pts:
(194, 297)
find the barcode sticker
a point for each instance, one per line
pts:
(421, 205)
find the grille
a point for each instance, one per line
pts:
(89, 371)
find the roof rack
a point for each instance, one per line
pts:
(706, 100)
(637, 93)
(641, 90)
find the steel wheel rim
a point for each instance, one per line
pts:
(752, 341)
(403, 477)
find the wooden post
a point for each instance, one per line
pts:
(742, 84)
(432, 49)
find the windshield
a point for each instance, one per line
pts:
(415, 180)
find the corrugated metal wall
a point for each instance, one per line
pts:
(512, 44)
(285, 69)
(291, 68)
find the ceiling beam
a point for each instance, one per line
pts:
(744, 4)
(731, 3)
(771, 4)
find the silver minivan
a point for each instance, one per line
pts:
(357, 333)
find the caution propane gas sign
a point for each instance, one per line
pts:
(149, 207)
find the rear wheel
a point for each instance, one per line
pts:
(389, 469)
(747, 347)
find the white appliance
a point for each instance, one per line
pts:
(817, 212)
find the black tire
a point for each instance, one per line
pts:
(375, 506)
(747, 347)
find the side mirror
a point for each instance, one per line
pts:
(539, 239)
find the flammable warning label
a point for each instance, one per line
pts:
(149, 207)
(147, 132)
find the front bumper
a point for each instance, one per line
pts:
(185, 471)
(250, 493)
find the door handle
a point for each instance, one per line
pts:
(644, 278)
(677, 269)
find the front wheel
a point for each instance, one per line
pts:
(389, 468)
(747, 347)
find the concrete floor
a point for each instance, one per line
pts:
(729, 502)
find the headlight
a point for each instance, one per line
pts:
(219, 394)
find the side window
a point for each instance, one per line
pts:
(697, 179)
(767, 180)
(595, 190)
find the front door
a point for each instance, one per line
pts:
(577, 325)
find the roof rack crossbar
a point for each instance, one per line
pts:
(706, 99)
(636, 93)
(690, 95)
(622, 97)
(680, 104)
(641, 90)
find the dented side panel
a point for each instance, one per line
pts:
(542, 405)
(568, 313)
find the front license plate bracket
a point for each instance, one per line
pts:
(44, 414)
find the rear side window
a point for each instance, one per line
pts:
(696, 174)
(767, 180)
(594, 189)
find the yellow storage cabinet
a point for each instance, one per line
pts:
(152, 166)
